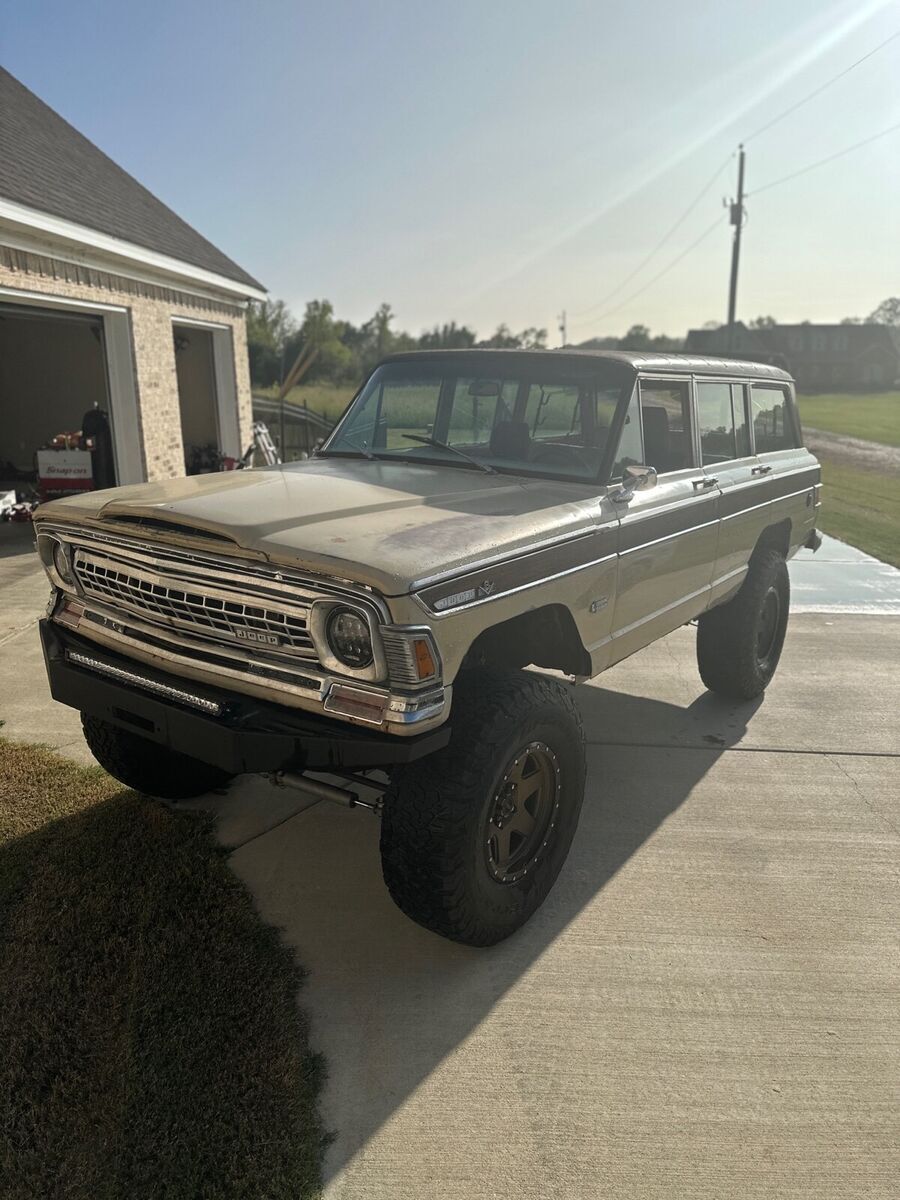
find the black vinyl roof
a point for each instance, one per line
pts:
(48, 165)
(637, 360)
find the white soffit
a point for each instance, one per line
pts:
(89, 248)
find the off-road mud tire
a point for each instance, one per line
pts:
(731, 660)
(148, 767)
(436, 810)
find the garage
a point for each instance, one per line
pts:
(123, 347)
(54, 404)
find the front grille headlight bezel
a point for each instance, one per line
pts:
(51, 549)
(320, 614)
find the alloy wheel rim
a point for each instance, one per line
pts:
(522, 816)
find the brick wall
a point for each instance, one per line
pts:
(151, 309)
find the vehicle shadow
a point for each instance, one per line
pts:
(388, 1001)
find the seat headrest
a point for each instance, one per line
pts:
(511, 439)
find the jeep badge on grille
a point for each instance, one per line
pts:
(258, 635)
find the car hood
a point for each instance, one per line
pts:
(386, 525)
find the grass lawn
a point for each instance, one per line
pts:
(875, 417)
(862, 507)
(150, 1042)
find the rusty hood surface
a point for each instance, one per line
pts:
(387, 525)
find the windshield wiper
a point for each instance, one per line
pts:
(430, 441)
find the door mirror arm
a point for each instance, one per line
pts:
(634, 479)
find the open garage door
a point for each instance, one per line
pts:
(55, 423)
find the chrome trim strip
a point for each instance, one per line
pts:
(668, 537)
(479, 564)
(522, 587)
(660, 612)
(765, 504)
(730, 575)
(678, 505)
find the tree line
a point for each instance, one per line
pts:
(345, 352)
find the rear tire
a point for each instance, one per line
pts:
(474, 836)
(739, 643)
(148, 767)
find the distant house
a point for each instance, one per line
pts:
(110, 301)
(822, 358)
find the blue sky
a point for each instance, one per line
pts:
(490, 162)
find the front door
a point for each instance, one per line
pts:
(668, 533)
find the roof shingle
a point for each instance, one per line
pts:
(48, 165)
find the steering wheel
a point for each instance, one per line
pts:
(564, 456)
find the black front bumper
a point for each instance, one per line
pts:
(247, 736)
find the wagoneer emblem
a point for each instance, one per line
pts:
(257, 635)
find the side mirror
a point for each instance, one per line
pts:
(634, 479)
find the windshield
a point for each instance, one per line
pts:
(543, 419)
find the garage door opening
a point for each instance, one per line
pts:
(197, 399)
(55, 426)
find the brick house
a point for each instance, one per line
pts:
(822, 358)
(109, 301)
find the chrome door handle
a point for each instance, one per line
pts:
(761, 470)
(701, 485)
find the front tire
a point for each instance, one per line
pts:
(474, 836)
(739, 643)
(148, 767)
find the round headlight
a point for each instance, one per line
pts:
(349, 637)
(61, 564)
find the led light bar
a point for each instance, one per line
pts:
(151, 685)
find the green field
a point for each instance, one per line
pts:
(874, 417)
(324, 398)
(863, 508)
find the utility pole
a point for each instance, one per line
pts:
(737, 220)
(562, 327)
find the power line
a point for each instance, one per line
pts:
(821, 88)
(586, 312)
(822, 161)
(674, 263)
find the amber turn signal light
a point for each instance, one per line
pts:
(425, 665)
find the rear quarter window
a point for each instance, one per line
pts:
(774, 423)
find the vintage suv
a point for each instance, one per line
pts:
(474, 513)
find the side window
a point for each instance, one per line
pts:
(666, 425)
(629, 453)
(715, 419)
(773, 424)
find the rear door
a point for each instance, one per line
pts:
(668, 533)
(726, 454)
(789, 473)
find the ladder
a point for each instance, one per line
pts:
(262, 440)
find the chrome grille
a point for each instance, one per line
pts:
(201, 604)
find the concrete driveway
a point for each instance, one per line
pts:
(707, 1004)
